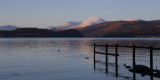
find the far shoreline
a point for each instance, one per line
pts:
(147, 38)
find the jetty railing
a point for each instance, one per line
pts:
(116, 46)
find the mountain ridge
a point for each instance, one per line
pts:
(90, 21)
(68, 25)
(122, 29)
(129, 28)
(76, 24)
(8, 27)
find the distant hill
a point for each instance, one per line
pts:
(8, 28)
(123, 29)
(98, 28)
(34, 32)
(132, 20)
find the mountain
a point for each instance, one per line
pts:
(90, 21)
(8, 27)
(53, 28)
(67, 25)
(123, 29)
(73, 25)
(132, 20)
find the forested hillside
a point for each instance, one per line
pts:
(34, 32)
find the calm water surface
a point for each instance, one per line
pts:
(39, 58)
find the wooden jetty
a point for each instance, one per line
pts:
(116, 46)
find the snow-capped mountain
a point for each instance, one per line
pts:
(73, 25)
(53, 28)
(67, 25)
(90, 21)
(132, 20)
(8, 27)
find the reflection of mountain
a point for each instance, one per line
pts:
(81, 45)
(87, 48)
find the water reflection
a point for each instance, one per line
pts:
(38, 58)
(116, 74)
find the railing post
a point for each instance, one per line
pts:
(116, 59)
(94, 52)
(151, 61)
(106, 58)
(134, 51)
(94, 56)
(134, 63)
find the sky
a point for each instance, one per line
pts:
(44, 13)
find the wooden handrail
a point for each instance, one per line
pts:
(128, 46)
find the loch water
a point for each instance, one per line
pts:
(71, 58)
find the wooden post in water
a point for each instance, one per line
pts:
(94, 56)
(134, 63)
(106, 58)
(134, 51)
(116, 59)
(151, 61)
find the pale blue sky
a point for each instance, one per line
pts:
(44, 13)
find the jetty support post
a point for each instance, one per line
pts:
(94, 56)
(116, 59)
(151, 61)
(134, 51)
(134, 63)
(106, 58)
